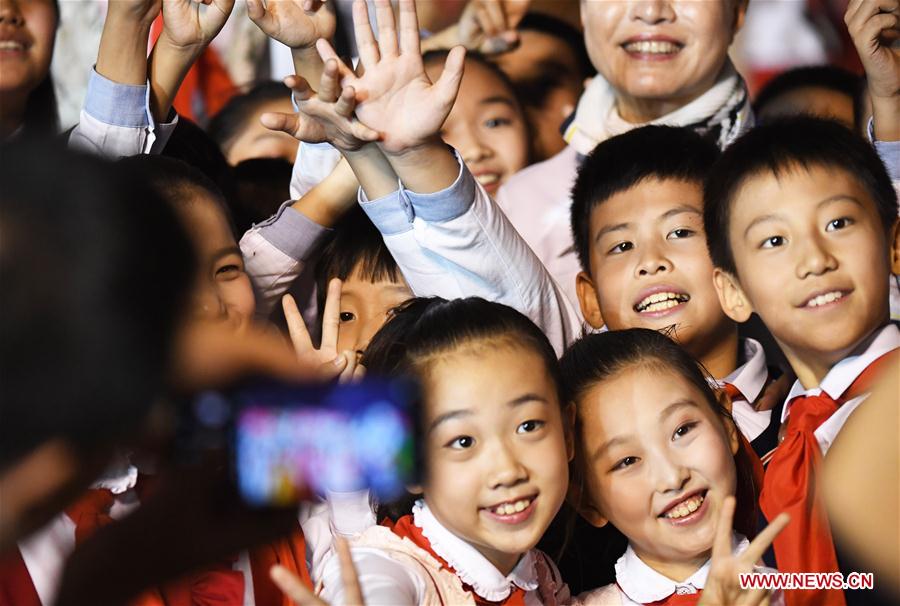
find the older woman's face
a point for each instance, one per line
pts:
(664, 50)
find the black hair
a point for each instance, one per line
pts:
(816, 76)
(93, 292)
(424, 329)
(261, 186)
(550, 74)
(779, 148)
(621, 162)
(236, 114)
(41, 119)
(177, 182)
(355, 246)
(599, 357)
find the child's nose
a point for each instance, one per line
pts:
(506, 470)
(10, 13)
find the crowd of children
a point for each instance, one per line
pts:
(641, 308)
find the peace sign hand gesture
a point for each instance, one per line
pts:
(723, 584)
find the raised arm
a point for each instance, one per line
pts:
(189, 27)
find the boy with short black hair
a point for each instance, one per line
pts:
(803, 230)
(637, 221)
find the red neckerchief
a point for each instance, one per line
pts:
(790, 485)
(405, 528)
(289, 552)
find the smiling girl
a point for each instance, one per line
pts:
(659, 458)
(495, 445)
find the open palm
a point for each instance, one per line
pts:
(394, 95)
(289, 21)
(187, 23)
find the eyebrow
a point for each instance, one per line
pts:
(683, 208)
(666, 413)
(777, 216)
(672, 408)
(497, 99)
(447, 416)
(224, 252)
(464, 412)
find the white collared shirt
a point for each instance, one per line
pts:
(640, 584)
(750, 379)
(387, 581)
(839, 379)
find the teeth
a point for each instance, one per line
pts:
(661, 301)
(11, 45)
(487, 179)
(830, 297)
(508, 509)
(652, 47)
(685, 508)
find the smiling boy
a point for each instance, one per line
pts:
(803, 230)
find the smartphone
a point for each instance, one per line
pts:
(288, 440)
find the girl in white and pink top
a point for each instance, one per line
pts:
(496, 452)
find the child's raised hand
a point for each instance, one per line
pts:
(294, 23)
(188, 25)
(294, 589)
(331, 363)
(395, 96)
(323, 116)
(489, 26)
(874, 26)
(723, 583)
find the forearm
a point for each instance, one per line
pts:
(307, 64)
(373, 170)
(886, 117)
(428, 168)
(169, 64)
(328, 201)
(122, 57)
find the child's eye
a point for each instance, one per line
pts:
(497, 122)
(529, 426)
(227, 271)
(620, 248)
(681, 232)
(626, 462)
(461, 443)
(683, 430)
(346, 316)
(841, 223)
(773, 242)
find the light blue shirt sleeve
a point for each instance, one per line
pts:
(117, 104)
(888, 151)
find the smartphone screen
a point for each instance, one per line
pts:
(289, 440)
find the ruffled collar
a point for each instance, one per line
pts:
(642, 584)
(471, 567)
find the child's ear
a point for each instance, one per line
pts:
(583, 507)
(587, 300)
(731, 296)
(895, 248)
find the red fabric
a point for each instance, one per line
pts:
(289, 552)
(755, 463)
(688, 599)
(16, 586)
(206, 87)
(791, 485)
(405, 528)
